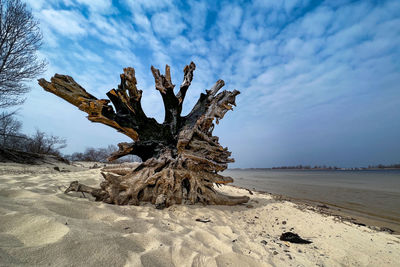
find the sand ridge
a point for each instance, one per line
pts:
(39, 225)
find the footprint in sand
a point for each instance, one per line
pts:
(34, 230)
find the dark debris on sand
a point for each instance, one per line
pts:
(293, 238)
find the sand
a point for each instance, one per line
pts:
(41, 226)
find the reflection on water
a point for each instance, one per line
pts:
(370, 192)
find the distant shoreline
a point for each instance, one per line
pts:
(331, 191)
(328, 209)
(315, 169)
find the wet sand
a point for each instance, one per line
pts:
(371, 197)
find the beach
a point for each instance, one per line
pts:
(42, 226)
(370, 197)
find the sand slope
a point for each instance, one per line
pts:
(41, 226)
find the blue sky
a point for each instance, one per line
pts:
(319, 80)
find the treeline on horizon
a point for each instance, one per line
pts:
(305, 167)
(100, 155)
(381, 166)
(324, 167)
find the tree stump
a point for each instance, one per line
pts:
(180, 157)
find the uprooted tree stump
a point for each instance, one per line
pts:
(180, 157)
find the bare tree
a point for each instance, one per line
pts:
(101, 155)
(43, 143)
(9, 129)
(20, 38)
(93, 154)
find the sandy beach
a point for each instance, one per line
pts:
(42, 226)
(370, 197)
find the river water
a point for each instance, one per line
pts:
(372, 194)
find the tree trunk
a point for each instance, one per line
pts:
(181, 158)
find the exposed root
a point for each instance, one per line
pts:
(181, 157)
(162, 182)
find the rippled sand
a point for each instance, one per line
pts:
(41, 226)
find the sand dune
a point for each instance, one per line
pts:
(41, 226)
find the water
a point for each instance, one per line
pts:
(372, 194)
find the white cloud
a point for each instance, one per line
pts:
(142, 21)
(35, 4)
(98, 6)
(66, 22)
(268, 4)
(181, 43)
(125, 58)
(197, 18)
(85, 55)
(145, 5)
(230, 17)
(252, 32)
(316, 23)
(289, 5)
(117, 33)
(166, 24)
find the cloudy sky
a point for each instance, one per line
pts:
(319, 80)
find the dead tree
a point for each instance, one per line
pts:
(181, 158)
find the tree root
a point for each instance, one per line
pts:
(163, 182)
(180, 156)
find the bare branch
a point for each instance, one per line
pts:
(166, 88)
(187, 80)
(214, 90)
(163, 83)
(97, 109)
(20, 38)
(124, 149)
(128, 117)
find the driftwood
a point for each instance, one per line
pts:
(181, 158)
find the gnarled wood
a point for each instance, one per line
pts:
(181, 157)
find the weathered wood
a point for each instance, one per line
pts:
(181, 158)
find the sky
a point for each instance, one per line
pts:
(319, 80)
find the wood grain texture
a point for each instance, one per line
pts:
(181, 158)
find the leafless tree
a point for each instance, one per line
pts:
(20, 38)
(9, 129)
(43, 143)
(101, 155)
(93, 154)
